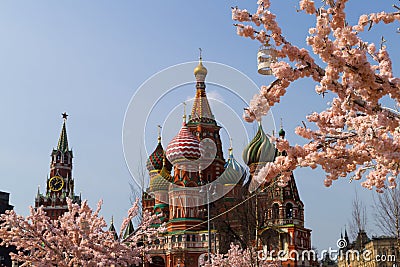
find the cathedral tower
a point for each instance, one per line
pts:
(280, 209)
(192, 168)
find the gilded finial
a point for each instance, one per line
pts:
(230, 146)
(281, 124)
(200, 72)
(184, 112)
(65, 116)
(159, 133)
(112, 219)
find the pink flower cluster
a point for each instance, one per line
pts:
(78, 238)
(308, 6)
(366, 20)
(355, 137)
(237, 257)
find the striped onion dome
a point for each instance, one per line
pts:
(155, 160)
(234, 172)
(259, 150)
(183, 148)
(161, 181)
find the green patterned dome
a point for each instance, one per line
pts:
(161, 181)
(259, 150)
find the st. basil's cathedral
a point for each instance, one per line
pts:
(185, 174)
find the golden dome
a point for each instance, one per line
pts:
(200, 69)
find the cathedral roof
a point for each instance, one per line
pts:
(183, 147)
(112, 229)
(201, 107)
(200, 69)
(161, 181)
(234, 172)
(282, 133)
(128, 230)
(200, 72)
(155, 160)
(259, 150)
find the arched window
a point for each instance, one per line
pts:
(65, 158)
(275, 211)
(289, 210)
(58, 157)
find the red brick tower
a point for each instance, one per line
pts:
(174, 190)
(202, 124)
(60, 183)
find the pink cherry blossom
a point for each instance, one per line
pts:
(77, 238)
(355, 136)
(237, 257)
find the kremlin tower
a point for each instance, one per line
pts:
(192, 170)
(60, 182)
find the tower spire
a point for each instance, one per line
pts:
(60, 183)
(201, 107)
(159, 133)
(230, 147)
(63, 140)
(184, 112)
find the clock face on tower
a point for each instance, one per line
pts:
(56, 183)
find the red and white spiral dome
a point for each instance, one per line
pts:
(184, 148)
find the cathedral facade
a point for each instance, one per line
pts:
(185, 176)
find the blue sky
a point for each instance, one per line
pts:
(89, 57)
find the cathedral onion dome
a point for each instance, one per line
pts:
(200, 72)
(282, 133)
(155, 160)
(259, 150)
(234, 172)
(183, 148)
(161, 181)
